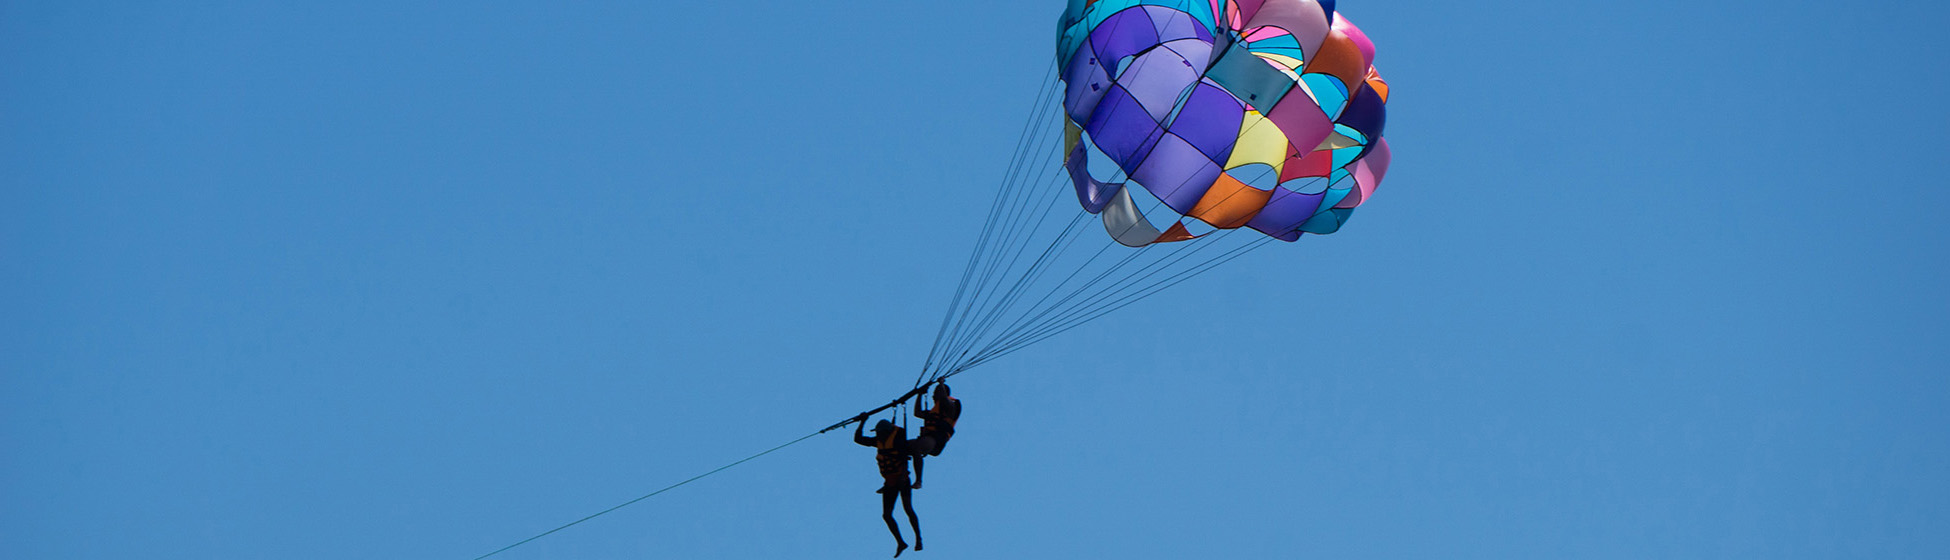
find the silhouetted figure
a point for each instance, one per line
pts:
(938, 424)
(892, 453)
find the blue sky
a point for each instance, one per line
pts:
(409, 280)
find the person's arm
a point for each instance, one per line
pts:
(860, 424)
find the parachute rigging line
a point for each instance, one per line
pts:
(991, 297)
(1044, 317)
(1105, 309)
(1001, 263)
(1003, 269)
(1001, 235)
(1022, 141)
(1082, 316)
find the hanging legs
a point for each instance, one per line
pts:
(907, 502)
(906, 497)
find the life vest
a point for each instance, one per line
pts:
(940, 422)
(891, 454)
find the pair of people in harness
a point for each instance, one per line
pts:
(893, 450)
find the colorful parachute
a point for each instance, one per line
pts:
(1265, 114)
(1180, 121)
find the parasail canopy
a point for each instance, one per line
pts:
(1175, 124)
(1183, 117)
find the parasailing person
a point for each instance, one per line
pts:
(892, 453)
(938, 424)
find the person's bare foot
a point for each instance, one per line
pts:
(902, 548)
(917, 544)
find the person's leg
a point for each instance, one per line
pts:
(887, 513)
(917, 470)
(913, 522)
(918, 448)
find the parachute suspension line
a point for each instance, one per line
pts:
(1085, 290)
(1089, 289)
(1119, 285)
(1022, 140)
(1080, 289)
(983, 318)
(1027, 320)
(987, 311)
(962, 299)
(1037, 318)
(972, 339)
(1087, 309)
(959, 343)
(1153, 289)
(1011, 235)
(1001, 268)
(984, 295)
(1000, 248)
(986, 318)
(1036, 271)
(994, 308)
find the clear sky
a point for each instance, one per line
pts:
(410, 280)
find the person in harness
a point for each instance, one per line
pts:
(892, 453)
(938, 424)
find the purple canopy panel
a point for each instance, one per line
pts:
(1156, 79)
(1367, 113)
(1122, 130)
(1210, 121)
(1086, 81)
(1176, 173)
(1091, 193)
(1195, 51)
(1123, 34)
